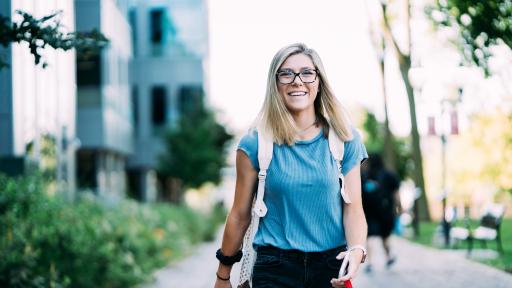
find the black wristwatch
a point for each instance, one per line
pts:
(228, 260)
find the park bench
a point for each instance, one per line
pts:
(487, 230)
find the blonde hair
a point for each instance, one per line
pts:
(275, 118)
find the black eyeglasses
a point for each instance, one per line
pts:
(288, 76)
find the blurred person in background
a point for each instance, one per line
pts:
(381, 204)
(302, 239)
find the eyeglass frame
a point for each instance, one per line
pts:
(295, 76)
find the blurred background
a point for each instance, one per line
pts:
(119, 121)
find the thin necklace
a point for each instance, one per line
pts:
(309, 127)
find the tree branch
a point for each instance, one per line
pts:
(47, 31)
(389, 35)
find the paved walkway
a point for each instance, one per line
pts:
(417, 266)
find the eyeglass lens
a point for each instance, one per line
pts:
(287, 77)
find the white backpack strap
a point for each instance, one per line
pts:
(337, 148)
(259, 209)
(265, 149)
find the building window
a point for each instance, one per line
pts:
(132, 18)
(190, 99)
(157, 25)
(159, 105)
(87, 169)
(88, 80)
(135, 109)
(88, 70)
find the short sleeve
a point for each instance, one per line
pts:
(249, 145)
(355, 153)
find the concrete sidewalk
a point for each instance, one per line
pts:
(198, 270)
(417, 266)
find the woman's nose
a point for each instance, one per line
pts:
(297, 80)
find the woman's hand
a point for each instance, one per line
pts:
(222, 284)
(354, 261)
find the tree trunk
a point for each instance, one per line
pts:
(379, 46)
(389, 151)
(422, 202)
(173, 191)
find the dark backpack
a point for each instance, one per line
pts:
(372, 197)
(378, 194)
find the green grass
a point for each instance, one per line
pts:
(503, 262)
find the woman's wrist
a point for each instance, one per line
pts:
(222, 278)
(224, 271)
(360, 251)
(358, 256)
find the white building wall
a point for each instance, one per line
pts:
(44, 100)
(116, 86)
(42, 95)
(105, 124)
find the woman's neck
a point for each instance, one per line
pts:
(304, 120)
(307, 125)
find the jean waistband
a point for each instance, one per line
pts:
(293, 253)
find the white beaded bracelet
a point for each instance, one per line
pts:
(344, 264)
(354, 247)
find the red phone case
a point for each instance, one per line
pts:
(348, 284)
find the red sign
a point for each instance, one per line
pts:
(454, 122)
(431, 126)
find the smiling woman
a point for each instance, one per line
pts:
(300, 92)
(305, 231)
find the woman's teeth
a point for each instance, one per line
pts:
(297, 93)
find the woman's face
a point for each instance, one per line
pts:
(298, 96)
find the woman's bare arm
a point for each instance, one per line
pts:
(353, 213)
(239, 217)
(354, 222)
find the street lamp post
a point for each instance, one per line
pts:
(445, 223)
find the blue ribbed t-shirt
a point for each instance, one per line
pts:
(302, 193)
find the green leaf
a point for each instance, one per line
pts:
(47, 31)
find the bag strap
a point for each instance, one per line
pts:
(337, 148)
(265, 151)
(259, 209)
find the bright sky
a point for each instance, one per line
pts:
(244, 36)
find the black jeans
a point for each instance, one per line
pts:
(276, 267)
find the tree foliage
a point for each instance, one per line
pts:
(481, 24)
(195, 150)
(489, 142)
(48, 241)
(39, 33)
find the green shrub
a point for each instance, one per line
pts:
(46, 241)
